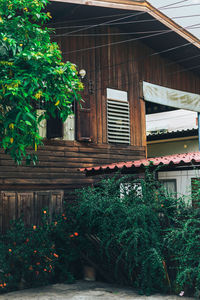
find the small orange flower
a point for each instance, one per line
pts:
(71, 236)
(4, 284)
(162, 205)
(35, 251)
(38, 263)
(63, 215)
(27, 240)
(1, 285)
(10, 250)
(30, 268)
(65, 218)
(34, 227)
(45, 270)
(44, 211)
(56, 255)
(55, 223)
(76, 233)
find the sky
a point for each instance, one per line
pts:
(187, 13)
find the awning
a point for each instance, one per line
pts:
(170, 97)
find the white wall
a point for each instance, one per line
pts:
(168, 148)
(183, 179)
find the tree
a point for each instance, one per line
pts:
(32, 75)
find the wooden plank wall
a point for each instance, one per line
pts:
(122, 66)
(58, 165)
(28, 205)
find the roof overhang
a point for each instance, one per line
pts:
(190, 160)
(139, 6)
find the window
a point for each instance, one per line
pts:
(134, 187)
(118, 121)
(55, 128)
(169, 185)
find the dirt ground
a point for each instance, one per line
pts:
(83, 290)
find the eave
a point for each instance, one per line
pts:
(143, 6)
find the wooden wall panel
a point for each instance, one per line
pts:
(28, 205)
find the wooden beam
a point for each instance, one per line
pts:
(143, 116)
(173, 140)
(127, 5)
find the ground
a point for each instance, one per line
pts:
(83, 290)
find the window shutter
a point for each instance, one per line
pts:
(118, 121)
(83, 121)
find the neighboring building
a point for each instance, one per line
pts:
(171, 132)
(118, 53)
(178, 172)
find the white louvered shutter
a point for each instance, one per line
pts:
(118, 121)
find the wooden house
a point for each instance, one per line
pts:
(119, 44)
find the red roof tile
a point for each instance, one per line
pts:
(176, 159)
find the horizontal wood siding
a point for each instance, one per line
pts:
(59, 164)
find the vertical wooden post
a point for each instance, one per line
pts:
(143, 116)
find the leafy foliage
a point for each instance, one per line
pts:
(32, 75)
(124, 233)
(139, 234)
(32, 256)
(135, 234)
(183, 243)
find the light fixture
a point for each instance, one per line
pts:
(82, 73)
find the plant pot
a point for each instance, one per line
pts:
(89, 273)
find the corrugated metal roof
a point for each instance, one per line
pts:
(172, 134)
(176, 159)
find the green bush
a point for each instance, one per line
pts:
(36, 255)
(131, 231)
(183, 243)
(123, 235)
(139, 235)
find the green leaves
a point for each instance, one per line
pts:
(31, 72)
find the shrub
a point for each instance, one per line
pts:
(36, 255)
(123, 235)
(135, 234)
(183, 243)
